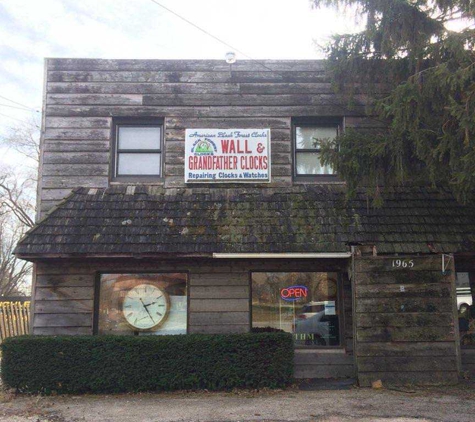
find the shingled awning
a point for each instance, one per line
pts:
(152, 221)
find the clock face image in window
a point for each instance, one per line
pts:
(142, 304)
(145, 306)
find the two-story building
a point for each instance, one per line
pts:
(181, 197)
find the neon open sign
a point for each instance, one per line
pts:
(293, 293)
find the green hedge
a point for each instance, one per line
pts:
(111, 364)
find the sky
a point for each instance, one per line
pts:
(31, 30)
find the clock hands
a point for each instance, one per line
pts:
(153, 303)
(141, 318)
(145, 306)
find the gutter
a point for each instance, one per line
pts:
(304, 255)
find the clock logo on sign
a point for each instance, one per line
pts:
(203, 147)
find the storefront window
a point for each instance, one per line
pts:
(142, 304)
(302, 303)
(466, 312)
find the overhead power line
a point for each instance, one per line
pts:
(246, 55)
(13, 118)
(201, 29)
(19, 108)
(17, 103)
(216, 38)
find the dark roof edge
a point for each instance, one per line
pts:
(38, 257)
(44, 218)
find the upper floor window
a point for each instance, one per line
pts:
(138, 149)
(306, 148)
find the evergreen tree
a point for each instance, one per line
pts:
(421, 76)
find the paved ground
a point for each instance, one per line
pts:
(448, 404)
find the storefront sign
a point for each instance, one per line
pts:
(227, 155)
(293, 293)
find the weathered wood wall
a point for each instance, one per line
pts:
(83, 96)
(468, 362)
(406, 326)
(324, 364)
(219, 292)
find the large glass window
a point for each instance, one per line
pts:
(466, 310)
(302, 303)
(142, 304)
(138, 150)
(307, 161)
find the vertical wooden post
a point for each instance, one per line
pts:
(2, 322)
(13, 319)
(9, 320)
(25, 313)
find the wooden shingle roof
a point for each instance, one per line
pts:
(150, 221)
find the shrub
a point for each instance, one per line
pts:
(111, 364)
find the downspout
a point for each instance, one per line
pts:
(353, 308)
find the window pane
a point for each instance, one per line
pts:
(139, 164)
(309, 163)
(139, 137)
(126, 298)
(466, 318)
(305, 135)
(305, 304)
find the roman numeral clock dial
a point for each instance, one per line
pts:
(145, 307)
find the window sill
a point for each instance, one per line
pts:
(333, 180)
(321, 349)
(135, 181)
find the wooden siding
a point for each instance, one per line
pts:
(219, 291)
(468, 362)
(219, 301)
(405, 321)
(323, 364)
(83, 96)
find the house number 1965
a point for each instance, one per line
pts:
(403, 263)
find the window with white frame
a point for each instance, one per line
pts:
(138, 150)
(306, 148)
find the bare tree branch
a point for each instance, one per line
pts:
(17, 205)
(24, 139)
(13, 198)
(13, 272)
